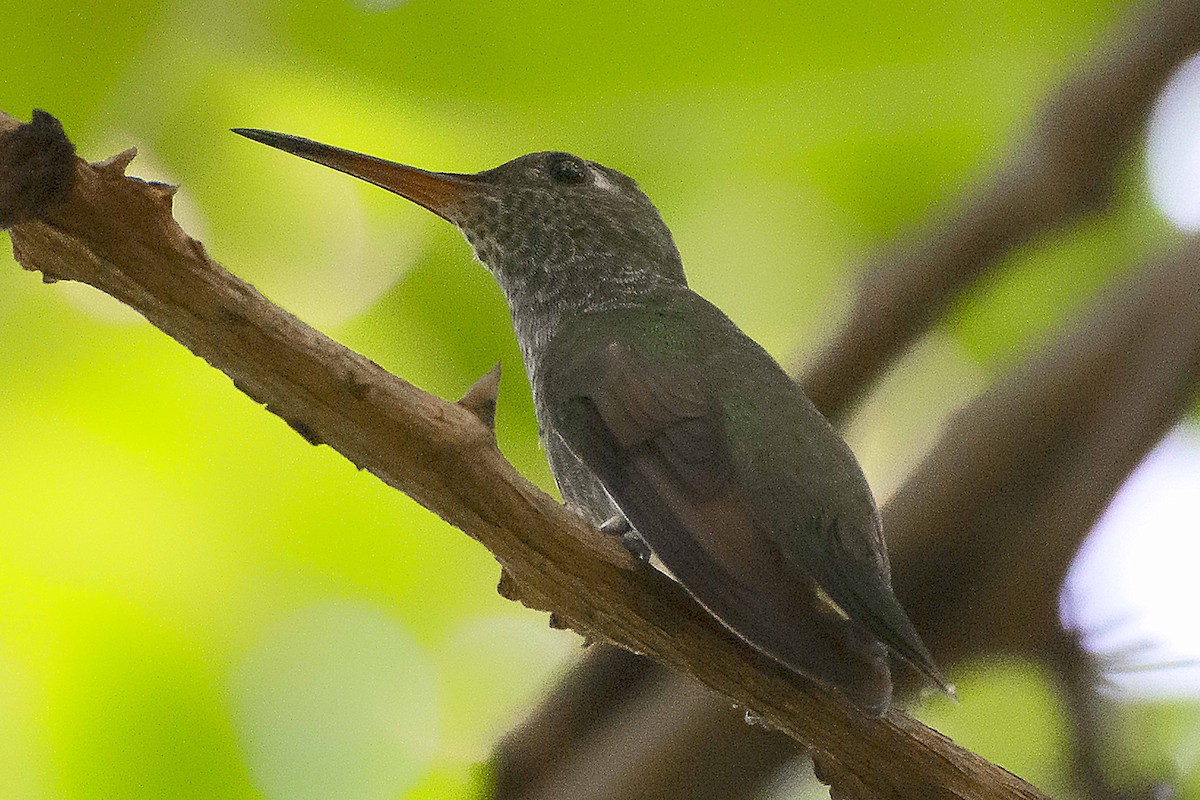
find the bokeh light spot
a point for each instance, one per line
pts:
(377, 6)
(1132, 589)
(20, 733)
(1173, 147)
(493, 669)
(336, 701)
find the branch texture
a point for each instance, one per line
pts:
(983, 533)
(117, 234)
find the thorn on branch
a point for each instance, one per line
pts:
(507, 587)
(842, 784)
(245, 389)
(306, 433)
(481, 398)
(115, 166)
(37, 169)
(165, 193)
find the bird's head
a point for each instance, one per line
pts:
(544, 222)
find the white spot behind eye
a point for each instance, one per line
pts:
(601, 179)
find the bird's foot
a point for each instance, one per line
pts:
(631, 539)
(616, 525)
(636, 546)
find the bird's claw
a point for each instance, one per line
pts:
(636, 546)
(633, 542)
(616, 525)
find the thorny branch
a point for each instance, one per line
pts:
(117, 234)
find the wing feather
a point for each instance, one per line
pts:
(658, 442)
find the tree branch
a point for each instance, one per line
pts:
(985, 527)
(1064, 171)
(1029, 467)
(1080, 676)
(117, 234)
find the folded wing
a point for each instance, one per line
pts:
(651, 428)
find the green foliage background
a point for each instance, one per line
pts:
(196, 603)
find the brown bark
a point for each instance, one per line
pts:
(1026, 506)
(117, 234)
(984, 529)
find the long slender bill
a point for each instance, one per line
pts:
(437, 191)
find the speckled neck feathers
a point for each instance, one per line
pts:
(558, 250)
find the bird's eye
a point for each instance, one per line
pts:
(568, 170)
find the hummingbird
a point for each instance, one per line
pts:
(662, 420)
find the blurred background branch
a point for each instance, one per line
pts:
(226, 612)
(1065, 169)
(985, 528)
(983, 533)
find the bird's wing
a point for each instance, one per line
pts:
(846, 556)
(650, 428)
